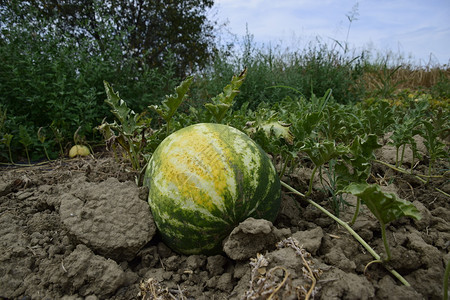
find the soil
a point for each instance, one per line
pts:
(81, 229)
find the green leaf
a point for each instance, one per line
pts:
(170, 105)
(431, 135)
(324, 151)
(365, 146)
(222, 102)
(129, 122)
(218, 110)
(279, 130)
(24, 137)
(7, 138)
(311, 120)
(231, 90)
(304, 124)
(119, 108)
(356, 165)
(404, 132)
(386, 207)
(131, 127)
(379, 117)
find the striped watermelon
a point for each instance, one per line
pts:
(203, 181)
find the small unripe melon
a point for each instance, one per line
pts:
(79, 150)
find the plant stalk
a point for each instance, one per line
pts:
(284, 166)
(28, 155)
(355, 215)
(385, 241)
(350, 230)
(311, 180)
(402, 155)
(396, 156)
(10, 155)
(46, 153)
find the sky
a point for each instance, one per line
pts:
(417, 30)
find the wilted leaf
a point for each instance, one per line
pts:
(273, 128)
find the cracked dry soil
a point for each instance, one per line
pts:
(81, 229)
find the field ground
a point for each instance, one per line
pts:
(45, 255)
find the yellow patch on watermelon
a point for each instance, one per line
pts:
(209, 175)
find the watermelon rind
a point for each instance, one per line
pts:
(203, 181)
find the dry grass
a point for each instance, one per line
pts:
(151, 289)
(405, 78)
(276, 283)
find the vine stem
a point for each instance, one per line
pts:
(398, 169)
(350, 230)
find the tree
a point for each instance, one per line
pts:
(152, 30)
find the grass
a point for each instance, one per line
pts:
(353, 76)
(428, 78)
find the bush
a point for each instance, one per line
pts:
(52, 81)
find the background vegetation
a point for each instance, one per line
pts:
(54, 57)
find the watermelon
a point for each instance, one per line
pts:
(203, 181)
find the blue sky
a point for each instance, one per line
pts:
(416, 29)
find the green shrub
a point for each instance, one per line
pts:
(50, 80)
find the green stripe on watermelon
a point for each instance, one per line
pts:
(203, 181)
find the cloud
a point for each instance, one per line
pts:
(416, 26)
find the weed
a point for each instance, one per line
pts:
(25, 140)
(223, 102)
(7, 138)
(434, 146)
(41, 136)
(171, 103)
(386, 207)
(128, 131)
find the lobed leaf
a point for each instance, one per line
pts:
(272, 128)
(324, 151)
(386, 207)
(171, 103)
(24, 137)
(119, 108)
(222, 102)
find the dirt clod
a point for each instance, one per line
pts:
(250, 237)
(108, 217)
